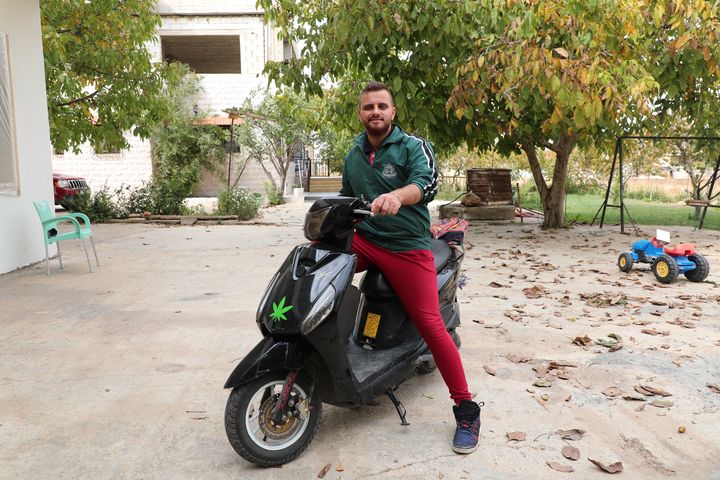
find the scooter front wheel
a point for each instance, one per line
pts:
(249, 419)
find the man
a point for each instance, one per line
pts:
(396, 171)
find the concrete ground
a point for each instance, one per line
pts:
(119, 373)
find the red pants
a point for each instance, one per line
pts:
(412, 275)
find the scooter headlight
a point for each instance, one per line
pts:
(319, 311)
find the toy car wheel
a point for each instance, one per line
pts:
(625, 262)
(665, 269)
(701, 270)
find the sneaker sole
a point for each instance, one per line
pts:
(465, 451)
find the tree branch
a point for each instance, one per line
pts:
(81, 99)
(550, 146)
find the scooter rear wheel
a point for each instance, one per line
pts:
(248, 419)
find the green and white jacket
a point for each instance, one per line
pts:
(401, 159)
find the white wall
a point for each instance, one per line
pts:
(129, 167)
(205, 6)
(21, 238)
(258, 44)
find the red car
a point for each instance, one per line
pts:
(67, 186)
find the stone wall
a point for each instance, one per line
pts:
(205, 6)
(129, 167)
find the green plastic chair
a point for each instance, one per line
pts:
(51, 235)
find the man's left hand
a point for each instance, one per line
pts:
(386, 204)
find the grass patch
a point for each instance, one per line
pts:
(582, 209)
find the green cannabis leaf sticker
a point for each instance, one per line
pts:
(279, 310)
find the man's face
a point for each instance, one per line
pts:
(376, 112)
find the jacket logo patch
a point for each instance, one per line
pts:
(389, 171)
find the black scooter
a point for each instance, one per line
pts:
(324, 340)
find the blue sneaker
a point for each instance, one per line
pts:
(467, 434)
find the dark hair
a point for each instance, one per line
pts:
(375, 87)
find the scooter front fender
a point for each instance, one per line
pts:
(267, 356)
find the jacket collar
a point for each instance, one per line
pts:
(396, 134)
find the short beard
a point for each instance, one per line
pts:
(377, 131)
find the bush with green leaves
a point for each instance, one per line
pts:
(274, 197)
(99, 206)
(180, 149)
(239, 201)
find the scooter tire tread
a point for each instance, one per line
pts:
(244, 447)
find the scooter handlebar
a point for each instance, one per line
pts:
(362, 213)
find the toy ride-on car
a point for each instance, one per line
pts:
(666, 261)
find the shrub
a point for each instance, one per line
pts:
(239, 201)
(98, 206)
(159, 197)
(141, 199)
(273, 196)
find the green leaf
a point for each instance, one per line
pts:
(397, 83)
(279, 310)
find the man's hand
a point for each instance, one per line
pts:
(386, 204)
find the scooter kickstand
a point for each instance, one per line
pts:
(398, 406)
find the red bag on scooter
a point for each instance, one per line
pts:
(450, 229)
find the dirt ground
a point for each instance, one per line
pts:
(119, 373)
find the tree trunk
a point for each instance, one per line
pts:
(553, 197)
(697, 195)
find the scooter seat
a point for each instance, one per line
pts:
(441, 252)
(374, 284)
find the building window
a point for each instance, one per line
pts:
(8, 159)
(203, 53)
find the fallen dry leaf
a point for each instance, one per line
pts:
(612, 392)
(339, 468)
(543, 382)
(656, 391)
(496, 285)
(612, 468)
(516, 436)
(561, 363)
(570, 452)
(641, 390)
(633, 396)
(536, 291)
(714, 387)
(489, 370)
(560, 467)
(324, 471)
(659, 403)
(649, 331)
(555, 325)
(542, 402)
(573, 434)
(517, 358)
(583, 341)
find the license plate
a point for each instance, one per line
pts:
(372, 322)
